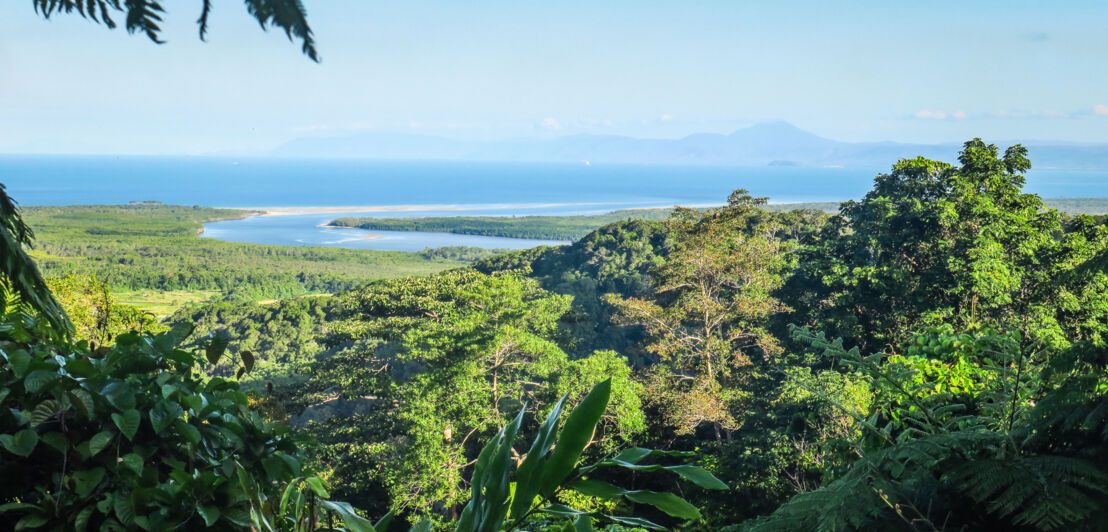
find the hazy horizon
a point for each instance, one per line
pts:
(938, 73)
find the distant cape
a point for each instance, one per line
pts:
(776, 144)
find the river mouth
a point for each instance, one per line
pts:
(308, 227)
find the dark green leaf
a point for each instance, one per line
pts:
(85, 482)
(583, 524)
(128, 423)
(133, 461)
(210, 513)
(38, 379)
(666, 502)
(99, 442)
(56, 440)
(247, 360)
(597, 488)
(31, 521)
(698, 476)
(21, 444)
(350, 518)
(45, 411)
(217, 345)
(120, 394)
(80, 523)
(635, 521)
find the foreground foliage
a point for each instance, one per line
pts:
(145, 16)
(970, 430)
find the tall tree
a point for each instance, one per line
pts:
(709, 311)
(446, 361)
(935, 243)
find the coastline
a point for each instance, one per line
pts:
(446, 207)
(246, 213)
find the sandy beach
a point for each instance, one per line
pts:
(340, 209)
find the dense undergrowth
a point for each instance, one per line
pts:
(930, 357)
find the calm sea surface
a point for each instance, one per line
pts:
(475, 188)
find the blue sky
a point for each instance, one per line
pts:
(934, 71)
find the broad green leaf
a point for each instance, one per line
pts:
(698, 476)
(561, 510)
(123, 510)
(382, 524)
(247, 360)
(83, 401)
(99, 442)
(133, 461)
(424, 526)
(237, 515)
(187, 431)
(56, 440)
(20, 361)
(666, 502)
(159, 418)
(353, 521)
(290, 488)
(209, 512)
(128, 422)
(38, 379)
(574, 436)
(31, 521)
(21, 444)
(45, 411)
(636, 522)
(490, 490)
(583, 523)
(16, 506)
(633, 455)
(120, 394)
(217, 344)
(80, 367)
(80, 523)
(179, 332)
(316, 484)
(529, 474)
(86, 481)
(597, 488)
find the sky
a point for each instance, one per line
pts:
(894, 70)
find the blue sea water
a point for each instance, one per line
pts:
(476, 187)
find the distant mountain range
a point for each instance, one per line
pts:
(776, 143)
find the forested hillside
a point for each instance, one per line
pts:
(577, 226)
(929, 357)
(156, 247)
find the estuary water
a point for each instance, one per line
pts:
(310, 230)
(411, 188)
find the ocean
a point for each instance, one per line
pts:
(473, 187)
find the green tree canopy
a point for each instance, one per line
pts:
(935, 243)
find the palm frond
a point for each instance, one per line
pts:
(145, 16)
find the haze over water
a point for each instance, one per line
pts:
(470, 188)
(226, 182)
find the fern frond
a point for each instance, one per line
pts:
(19, 270)
(1045, 492)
